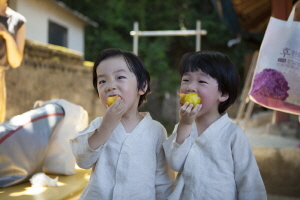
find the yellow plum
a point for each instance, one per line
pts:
(191, 98)
(110, 100)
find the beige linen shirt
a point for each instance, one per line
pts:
(127, 166)
(218, 164)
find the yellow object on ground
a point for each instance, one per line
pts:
(69, 188)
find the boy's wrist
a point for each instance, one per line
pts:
(186, 122)
(109, 124)
(184, 125)
(183, 131)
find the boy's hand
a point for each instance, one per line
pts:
(188, 113)
(110, 121)
(115, 112)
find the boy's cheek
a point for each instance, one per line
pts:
(102, 101)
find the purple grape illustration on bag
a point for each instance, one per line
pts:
(271, 83)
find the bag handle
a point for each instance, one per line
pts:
(291, 17)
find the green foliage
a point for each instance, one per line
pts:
(160, 54)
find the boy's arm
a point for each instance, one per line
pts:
(248, 180)
(176, 153)
(188, 114)
(178, 145)
(84, 155)
(183, 132)
(88, 144)
(110, 121)
(165, 177)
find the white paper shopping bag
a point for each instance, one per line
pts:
(276, 81)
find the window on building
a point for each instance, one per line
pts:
(57, 34)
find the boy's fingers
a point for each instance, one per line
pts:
(190, 107)
(118, 99)
(184, 107)
(196, 107)
(120, 105)
(199, 108)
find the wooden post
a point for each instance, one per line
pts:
(135, 38)
(136, 34)
(245, 93)
(198, 36)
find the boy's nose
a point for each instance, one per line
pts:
(191, 88)
(111, 87)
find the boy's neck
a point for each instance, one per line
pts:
(203, 122)
(130, 120)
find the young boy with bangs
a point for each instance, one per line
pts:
(211, 154)
(124, 147)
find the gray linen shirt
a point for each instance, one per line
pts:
(218, 164)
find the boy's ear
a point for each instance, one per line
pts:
(223, 97)
(143, 91)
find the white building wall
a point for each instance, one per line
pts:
(39, 12)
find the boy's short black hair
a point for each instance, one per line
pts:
(219, 67)
(134, 64)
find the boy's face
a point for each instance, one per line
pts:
(115, 78)
(206, 87)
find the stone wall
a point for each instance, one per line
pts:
(50, 72)
(279, 169)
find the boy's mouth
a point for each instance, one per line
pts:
(112, 95)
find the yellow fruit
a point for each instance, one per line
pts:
(110, 100)
(191, 98)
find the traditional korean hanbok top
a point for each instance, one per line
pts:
(218, 164)
(128, 166)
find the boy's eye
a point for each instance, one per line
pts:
(102, 81)
(185, 80)
(121, 77)
(202, 82)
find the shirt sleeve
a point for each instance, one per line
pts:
(249, 182)
(164, 175)
(85, 156)
(175, 153)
